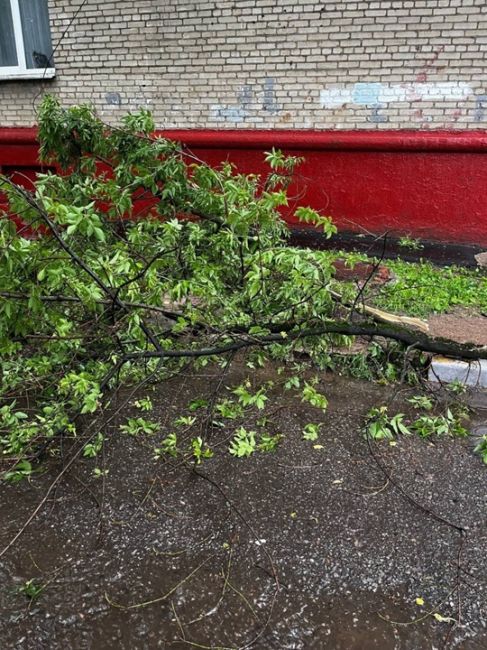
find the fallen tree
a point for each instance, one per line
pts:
(97, 297)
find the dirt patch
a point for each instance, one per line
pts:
(361, 272)
(160, 556)
(460, 328)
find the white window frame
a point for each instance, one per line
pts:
(21, 71)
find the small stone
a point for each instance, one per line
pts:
(481, 260)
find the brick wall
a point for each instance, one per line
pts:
(269, 63)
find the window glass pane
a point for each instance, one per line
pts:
(8, 52)
(37, 35)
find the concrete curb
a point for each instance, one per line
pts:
(469, 373)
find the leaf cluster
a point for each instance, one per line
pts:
(135, 246)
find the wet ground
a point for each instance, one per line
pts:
(303, 548)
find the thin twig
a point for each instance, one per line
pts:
(154, 601)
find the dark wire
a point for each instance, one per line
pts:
(49, 62)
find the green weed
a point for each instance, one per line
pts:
(229, 409)
(23, 469)
(381, 426)
(93, 448)
(246, 398)
(144, 404)
(137, 426)
(243, 443)
(421, 402)
(169, 446)
(32, 589)
(481, 449)
(269, 443)
(200, 450)
(312, 396)
(409, 242)
(311, 431)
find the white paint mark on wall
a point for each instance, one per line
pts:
(370, 94)
(336, 96)
(234, 114)
(366, 94)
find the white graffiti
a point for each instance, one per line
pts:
(370, 94)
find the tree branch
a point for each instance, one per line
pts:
(12, 295)
(418, 339)
(76, 258)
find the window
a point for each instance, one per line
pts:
(25, 40)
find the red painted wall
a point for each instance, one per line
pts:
(430, 185)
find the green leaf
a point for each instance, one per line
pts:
(243, 443)
(311, 431)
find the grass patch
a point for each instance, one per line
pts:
(421, 289)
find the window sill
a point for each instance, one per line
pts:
(37, 73)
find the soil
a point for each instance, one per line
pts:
(361, 272)
(459, 327)
(302, 548)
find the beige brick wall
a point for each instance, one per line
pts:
(269, 63)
